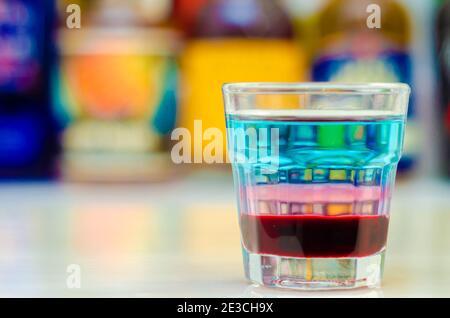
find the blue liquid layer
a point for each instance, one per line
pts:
(362, 152)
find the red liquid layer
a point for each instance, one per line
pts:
(314, 236)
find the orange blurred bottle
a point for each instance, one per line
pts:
(116, 93)
(234, 41)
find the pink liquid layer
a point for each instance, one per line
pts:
(332, 193)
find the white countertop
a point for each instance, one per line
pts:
(181, 239)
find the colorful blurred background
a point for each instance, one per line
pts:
(87, 111)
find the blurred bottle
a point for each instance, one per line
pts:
(186, 13)
(443, 47)
(27, 132)
(349, 51)
(304, 17)
(115, 93)
(234, 41)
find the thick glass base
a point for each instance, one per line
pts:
(314, 273)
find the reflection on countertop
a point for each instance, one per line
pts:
(181, 239)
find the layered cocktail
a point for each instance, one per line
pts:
(314, 166)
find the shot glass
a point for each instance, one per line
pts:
(314, 166)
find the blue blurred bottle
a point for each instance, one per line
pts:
(27, 133)
(348, 50)
(443, 52)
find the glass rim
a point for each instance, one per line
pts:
(315, 88)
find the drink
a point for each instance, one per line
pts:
(343, 219)
(314, 182)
